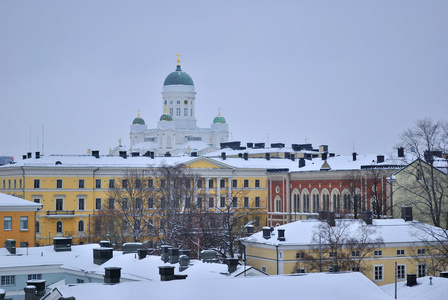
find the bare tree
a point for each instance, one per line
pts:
(353, 181)
(377, 191)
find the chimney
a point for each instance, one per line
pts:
(444, 274)
(324, 156)
(406, 213)
(96, 153)
(164, 250)
(281, 235)
(323, 215)
(411, 279)
(367, 217)
(208, 256)
(10, 245)
(250, 230)
(301, 162)
(112, 274)
(246, 156)
(331, 221)
(293, 157)
(142, 253)
(30, 292)
(135, 154)
(287, 155)
(223, 155)
(147, 154)
(106, 244)
(101, 255)
(61, 244)
(194, 154)
(37, 155)
(167, 154)
(184, 261)
(173, 255)
(29, 154)
(151, 154)
(166, 273)
(24, 156)
(354, 156)
(268, 156)
(122, 154)
(39, 284)
(250, 145)
(2, 294)
(380, 159)
(400, 152)
(232, 264)
(267, 232)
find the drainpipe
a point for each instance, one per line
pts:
(276, 248)
(23, 183)
(93, 202)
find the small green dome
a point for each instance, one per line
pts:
(166, 117)
(178, 78)
(138, 121)
(219, 119)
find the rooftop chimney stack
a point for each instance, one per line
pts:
(367, 217)
(223, 155)
(112, 274)
(122, 154)
(266, 232)
(400, 152)
(250, 230)
(37, 155)
(331, 219)
(411, 279)
(29, 154)
(406, 213)
(268, 156)
(281, 235)
(354, 156)
(379, 159)
(96, 153)
(232, 264)
(246, 155)
(301, 162)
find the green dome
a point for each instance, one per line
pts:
(219, 119)
(166, 117)
(178, 78)
(138, 121)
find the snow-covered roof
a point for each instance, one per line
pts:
(424, 290)
(301, 232)
(307, 286)
(11, 203)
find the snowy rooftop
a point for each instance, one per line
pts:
(310, 286)
(422, 291)
(11, 203)
(301, 232)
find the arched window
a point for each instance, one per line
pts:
(306, 202)
(316, 204)
(81, 226)
(59, 227)
(37, 227)
(325, 200)
(296, 199)
(336, 200)
(278, 204)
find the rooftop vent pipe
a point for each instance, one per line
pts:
(223, 155)
(96, 153)
(301, 162)
(400, 152)
(37, 155)
(354, 156)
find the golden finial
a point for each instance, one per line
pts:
(219, 111)
(138, 114)
(166, 110)
(178, 58)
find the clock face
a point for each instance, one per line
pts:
(186, 102)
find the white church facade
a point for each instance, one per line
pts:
(176, 132)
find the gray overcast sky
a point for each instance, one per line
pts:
(342, 73)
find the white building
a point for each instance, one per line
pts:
(177, 132)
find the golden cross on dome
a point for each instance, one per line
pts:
(178, 58)
(166, 110)
(219, 111)
(138, 115)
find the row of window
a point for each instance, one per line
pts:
(14, 184)
(138, 183)
(59, 229)
(10, 280)
(7, 223)
(378, 271)
(356, 253)
(304, 205)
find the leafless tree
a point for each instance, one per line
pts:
(377, 191)
(353, 181)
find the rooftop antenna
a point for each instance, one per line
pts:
(42, 139)
(267, 140)
(30, 137)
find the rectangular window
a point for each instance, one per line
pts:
(23, 223)
(178, 111)
(331, 254)
(186, 112)
(378, 273)
(211, 183)
(421, 251)
(34, 276)
(138, 203)
(162, 183)
(199, 183)
(234, 183)
(37, 183)
(199, 202)
(400, 252)
(421, 270)
(15, 184)
(150, 183)
(222, 202)
(264, 269)
(20, 183)
(80, 183)
(246, 183)
(355, 253)
(187, 202)
(59, 204)
(378, 253)
(124, 183)
(97, 183)
(79, 280)
(4, 186)
(9, 184)
(138, 183)
(111, 183)
(235, 202)
(222, 183)
(300, 255)
(59, 183)
(150, 203)
(401, 271)
(211, 202)
(8, 280)
(257, 183)
(81, 203)
(171, 111)
(257, 201)
(124, 203)
(246, 201)
(7, 223)
(36, 200)
(111, 203)
(98, 203)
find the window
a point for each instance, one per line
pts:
(97, 183)
(171, 111)
(222, 183)
(234, 183)
(20, 183)
(79, 280)
(246, 183)
(81, 203)
(81, 226)
(124, 203)
(401, 271)
(355, 253)
(211, 202)
(187, 184)
(37, 227)
(211, 183)
(150, 203)
(187, 202)
(162, 203)
(222, 202)
(257, 201)
(421, 251)
(257, 183)
(246, 201)
(138, 183)
(37, 183)
(300, 270)
(111, 183)
(80, 183)
(34, 276)
(400, 252)
(36, 200)
(8, 280)
(150, 183)
(332, 254)
(23, 223)
(186, 112)
(138, 203)
(378, 253)
(9, 184)
(7, 223)
(257, 221)
(178, 111)
(235, 202)
(300, 255)
(59, 204)
(59, 183)
(15, 184)
(199, 202)
(421, 270)
(124, 183)
(378, 273)
(264, 269)
(59, 227)
(278, 205)
(199, 183)
(4, 184)
(111, 203)
(98, 203)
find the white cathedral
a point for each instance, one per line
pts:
(177, 132)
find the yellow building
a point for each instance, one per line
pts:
(379, 250)
(18, 220)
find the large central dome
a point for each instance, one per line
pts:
(178, 78)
